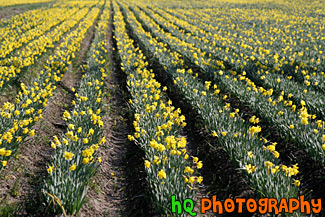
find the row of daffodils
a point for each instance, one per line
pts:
(252, 154)
(170, 169)
(75, 157)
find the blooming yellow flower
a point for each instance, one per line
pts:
(153, 144)
(50, 169)
(25, 130)
(131, 138)
(85, 160)
(275, 169)
(304, 121)
(53, 145)
(199, 165)
(191, 179)
(147, 163)
(199, 179)
(297, 183)
(252, 130)
(68, 155)
(162, 174)
(32, 133)
(73, 167)
(65, 141)
(269, 164)
(303, 103)
(2, 151)
(8, 153)
(161, 147)
(250, 168)
(188, 170)
(156, 160)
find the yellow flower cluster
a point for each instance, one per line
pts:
(79, 4)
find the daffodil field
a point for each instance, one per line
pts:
(185, 82)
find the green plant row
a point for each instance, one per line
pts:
(75, 158)
(170, 169)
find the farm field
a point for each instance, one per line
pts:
(162, 108)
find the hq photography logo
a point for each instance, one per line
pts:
(263, 205)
